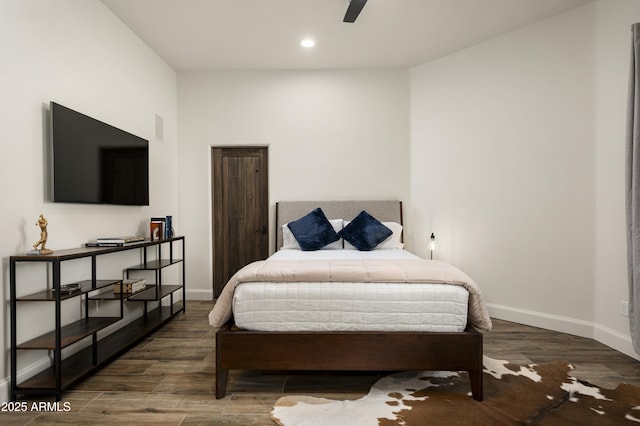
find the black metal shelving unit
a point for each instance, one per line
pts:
(64, 372)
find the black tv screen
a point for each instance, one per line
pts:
(96, 163)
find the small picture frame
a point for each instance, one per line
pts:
(157, 233)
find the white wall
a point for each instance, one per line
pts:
(517, 161)
(613, 52)
(77, 53)
(331, 135)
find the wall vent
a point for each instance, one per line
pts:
(159, 133)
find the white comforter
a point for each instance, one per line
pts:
(351, 266)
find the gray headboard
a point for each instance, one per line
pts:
(383, 210)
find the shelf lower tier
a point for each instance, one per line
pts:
(81, 363)
(70, 333)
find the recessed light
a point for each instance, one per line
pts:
(307, 43)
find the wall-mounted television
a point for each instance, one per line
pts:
(96, 163)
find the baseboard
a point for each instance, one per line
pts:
(590, 330)
(199, 294)
(4, 390)
(615, 340)
(23, 374)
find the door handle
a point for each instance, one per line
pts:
(262, 230)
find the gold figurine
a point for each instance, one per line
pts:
(42, 242)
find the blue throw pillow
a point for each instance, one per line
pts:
(365, 232)
(313, 231)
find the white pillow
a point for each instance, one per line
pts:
(289, 241)
(393, 242)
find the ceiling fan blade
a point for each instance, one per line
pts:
(354, 9)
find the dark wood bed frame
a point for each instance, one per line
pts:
(346, 351)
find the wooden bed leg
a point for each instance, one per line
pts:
(221, 382)
(221, 374)
(475, 377)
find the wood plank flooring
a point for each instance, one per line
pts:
(168, 378)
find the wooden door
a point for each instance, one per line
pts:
(240, 210)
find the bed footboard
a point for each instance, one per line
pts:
(348, 351)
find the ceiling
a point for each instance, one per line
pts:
(196, 35)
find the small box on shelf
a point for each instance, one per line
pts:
(129, 286)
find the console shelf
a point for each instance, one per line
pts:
(99, 349)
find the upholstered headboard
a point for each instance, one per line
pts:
(383, 210)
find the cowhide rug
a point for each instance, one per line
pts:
(541, 394)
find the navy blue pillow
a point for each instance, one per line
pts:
(365, 232)
(313, 231)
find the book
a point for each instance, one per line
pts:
(120, 240)
(97, 244)
(130, 286)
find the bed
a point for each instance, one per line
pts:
(363, 310)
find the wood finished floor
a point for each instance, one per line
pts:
(169, 378)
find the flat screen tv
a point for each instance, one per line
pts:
(96, 163)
